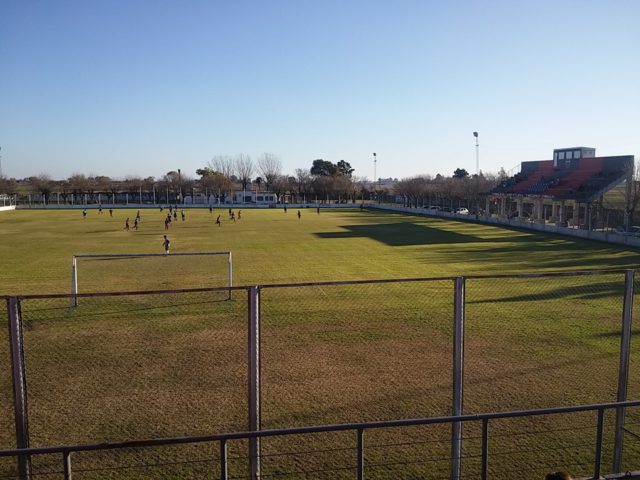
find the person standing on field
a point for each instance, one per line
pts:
(299, 214)
(218, 221)
(126, 224)
(165, 244)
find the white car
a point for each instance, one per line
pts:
(462, 211)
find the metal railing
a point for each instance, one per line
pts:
(358, 429)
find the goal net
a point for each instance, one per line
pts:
(99, 272)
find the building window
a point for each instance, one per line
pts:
(576, 154)
(561, 155)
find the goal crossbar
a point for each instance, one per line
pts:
(74, 265)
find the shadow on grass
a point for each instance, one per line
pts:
(616, 334)
(402, 234)
(613, 289)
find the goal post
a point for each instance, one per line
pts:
(107, 256)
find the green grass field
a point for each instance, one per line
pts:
(163, 365)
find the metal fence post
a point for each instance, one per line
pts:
(230, 274)
(360, 467)
(254, 381)
(597, 462)
(623, 370)
(66, 458)
(485, 449)
(74, 281)
(223, 460)
(458, 376)
(19, 385)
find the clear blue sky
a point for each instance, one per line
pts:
(139, 87)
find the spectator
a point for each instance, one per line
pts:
(559, 475)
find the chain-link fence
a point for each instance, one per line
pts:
(335, 353)
(164, 364)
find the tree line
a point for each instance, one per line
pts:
(224, 174)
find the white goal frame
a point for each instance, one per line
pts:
(74, 266)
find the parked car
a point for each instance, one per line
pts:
(462, 211)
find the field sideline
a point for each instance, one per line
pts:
(135, 367)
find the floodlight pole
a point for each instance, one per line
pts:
(375, 165)
(475, 134)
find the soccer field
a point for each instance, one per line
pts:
(270, 246)
(165, 365)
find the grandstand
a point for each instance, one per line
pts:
(559, 190)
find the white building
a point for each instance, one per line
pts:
(260, 198)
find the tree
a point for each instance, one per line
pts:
(460, 173)
(223, 164)
(323, 168)
(345, 168)
(213, 181)
(244, 168)
(303, 181)
(43, 185)
(78, 183)
(8, 186)
(270, 167)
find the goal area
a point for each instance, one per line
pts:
(109, 272)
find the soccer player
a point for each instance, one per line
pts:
(111, 212)
(218, 222)
(175, 214)
(135, 223)
(84, 213)
(166, 243)
(126, 224)
(318, 210)
(299, 214)
(183, 215)
(285, 208)
(138, 216)
(210, 209)
(239, 214)
(100, 208)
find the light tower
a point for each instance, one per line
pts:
(475, 134)
(375, 164)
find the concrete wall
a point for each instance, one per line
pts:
(609, 237)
